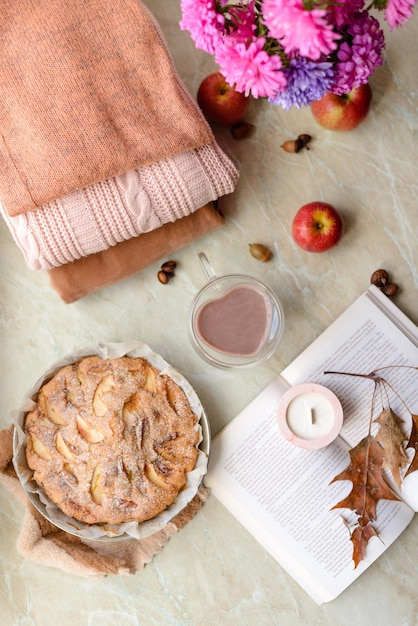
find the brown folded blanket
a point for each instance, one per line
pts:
(88, 274)
(88, 91)
(44, 543)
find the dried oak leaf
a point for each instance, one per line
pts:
(413, 443)
(369, 485)
(391, 438)
(360, 537)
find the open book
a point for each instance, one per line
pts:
(282, 494)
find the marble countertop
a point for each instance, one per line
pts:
(213, 571)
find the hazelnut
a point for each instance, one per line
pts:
(380, 278)
(390, 289)
(242, 130)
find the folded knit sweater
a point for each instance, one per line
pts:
(97, 217)
(88, 91)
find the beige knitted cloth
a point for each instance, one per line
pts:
(102, 215)
(88, 91)
(84, 276)
(44, 543)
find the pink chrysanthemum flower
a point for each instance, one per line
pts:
(204, 23)
(243, 21)
(398, 12)
(250, 68)
(299, 30)
(341, 12)
(278, 48)
(358, 59)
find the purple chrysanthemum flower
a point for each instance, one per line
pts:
(306, 81)
(250, 68)
(204, 23)
(398, 12)
(359, 55)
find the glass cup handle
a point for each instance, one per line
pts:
(206, 266)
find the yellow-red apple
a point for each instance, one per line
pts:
(317, 226)
(220, 102)
(344, 112)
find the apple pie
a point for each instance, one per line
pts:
(111, 440)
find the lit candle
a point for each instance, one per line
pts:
(310, 416)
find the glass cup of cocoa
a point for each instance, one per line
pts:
(236, 321)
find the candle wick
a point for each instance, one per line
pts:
(312, 415)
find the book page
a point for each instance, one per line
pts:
(281, 494)
(363, 339)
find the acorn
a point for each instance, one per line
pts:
(305, 139)
(296, 145)
(292, 145)
(260, 252)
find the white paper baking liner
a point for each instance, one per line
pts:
(129, 529)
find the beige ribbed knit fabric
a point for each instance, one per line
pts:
(88, 91)
(104, 214)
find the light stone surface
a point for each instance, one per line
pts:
(213, 572)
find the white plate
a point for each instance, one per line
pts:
(129, 530)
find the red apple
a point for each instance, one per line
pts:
(343, 112)
(317, 227)
(220, 103)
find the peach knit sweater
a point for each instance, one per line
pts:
(88, 91)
